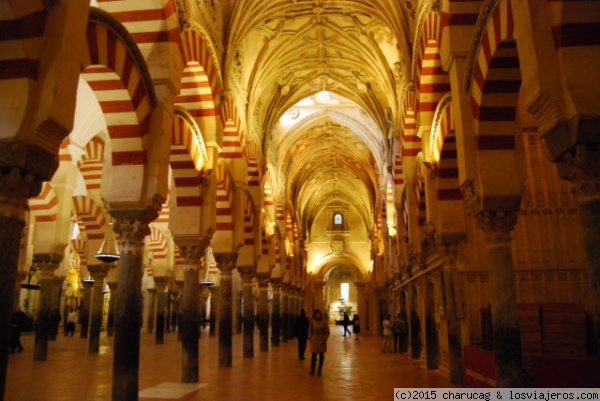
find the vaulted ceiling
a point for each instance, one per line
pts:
(321, 85)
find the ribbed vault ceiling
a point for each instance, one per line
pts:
(282, 52)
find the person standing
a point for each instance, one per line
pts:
(387, 334)
(17, 324)
(318, 334)
(356, 326)
(398, 329)
(71, 322)
(301, 332)
(346, 323)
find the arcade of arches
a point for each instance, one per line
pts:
(437, 158)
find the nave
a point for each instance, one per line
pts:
(353, 370)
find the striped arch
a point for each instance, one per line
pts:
(187, 159)
(117, 73)
(195, 48)
(224, 209)
(91, 217)
(390, 206)
(78, 245)
(233, 137)
(398, 170)
(252, 153)
(411, 143)
(91, 162)
(44, 207)
(420, 193)
(157, 244)
(249, 219)
(431, 80)
(63, 152)
(405, 214)
(496, 82)
(268, 199)
(443, 149)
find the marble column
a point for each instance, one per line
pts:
(226, 264)
(161, 305)
(55, 314)
(47, 263)
(112, 309)
(214, 305)
(84, 311)
(263, 312)
(15, 188)
(276, 313)
(98, 273)
(132, 226)
(191, 252)
(507, 341)
(450, 275)
(151, 309)
(247, 273)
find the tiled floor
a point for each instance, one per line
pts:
(353, 370)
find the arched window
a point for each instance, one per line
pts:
(338, 219)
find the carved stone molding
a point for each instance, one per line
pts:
(497, 226)
(226, 261)
(16, 186)
(246, 273)
(581, 167)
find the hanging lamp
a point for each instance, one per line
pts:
(108, 252)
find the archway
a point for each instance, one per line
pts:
(341, 294)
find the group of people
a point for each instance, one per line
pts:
(316, 330)
(393, 331)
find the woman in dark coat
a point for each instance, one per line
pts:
(318, 334)
(301, 332)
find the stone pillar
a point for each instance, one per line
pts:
(84, 312)
(361, 308)
(98, 273)
(112, 306)
(276, 313)
(450, 274)
(285, 314)
(161, 305)
(247, 273)
(191, 251)
(55, 307)
(15, 188)
(226, 264)
(507, 341)
(179, 307)
(132, 226)
(151, 302)
(47, 263)
(204, 295)
(214, 304)
(21, 275)
(318, 302)
(581, 166)
(263, 312)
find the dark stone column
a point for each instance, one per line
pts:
(507, 340)
(247, 273)
(191, 251)
(161, 304)
(98, 273)
(452, 318)
(55, 307)
(15, 188)
(47, 263)
(581, 166)
(263, 312)
(112, 309)
(132, 225)
(276, 313)
(179, 309)
(151, 310)
(226, 264)
(214, 304)
(84, 311)
(285, 315)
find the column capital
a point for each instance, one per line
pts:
(581, 166)
(99, 273)
(246, 272)
(47, 262)
(16, 186)
(226, 261)
(497, 225)
(161, 282)
(192, 250)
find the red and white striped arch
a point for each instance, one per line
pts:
(116, 72)
(157, 244)
(195, 94)
(420, 194)
(91, 162)
(398, 170)
(249, 219)
(194, 49)
(91, 217)
(443, 143)
(432, 82)
(44, 207)
(233, 137)
(78, 245)
(496, 82)
(252, 153)
(187, 159)
(224, 207)
(63, 152)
